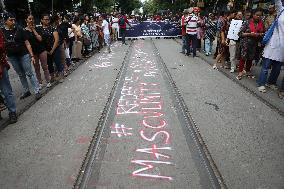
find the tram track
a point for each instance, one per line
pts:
(232, 78)
(85, 171)
(194, 140)
(191, 126)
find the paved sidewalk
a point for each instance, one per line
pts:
(23, 105)
(270, 96)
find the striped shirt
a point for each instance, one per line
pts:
(192, 24)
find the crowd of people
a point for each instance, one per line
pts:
(59, 41)
(53, 47)
(241, 53)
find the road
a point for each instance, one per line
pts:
(145, 116)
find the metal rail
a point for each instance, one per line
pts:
(215, 175)
(86, 168)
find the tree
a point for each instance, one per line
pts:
(127, 6)
(105, 5)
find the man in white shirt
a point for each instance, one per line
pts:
(106, 27)
(191, 32)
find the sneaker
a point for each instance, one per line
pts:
(25, 95)
(232, 70)
(38, 96)
(207, 54)
(13, 118)
(262, 89)
(272, 86)
(48, 85)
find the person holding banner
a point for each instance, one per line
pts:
(233, 37)
(122, 21)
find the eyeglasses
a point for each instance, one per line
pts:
(12, 20)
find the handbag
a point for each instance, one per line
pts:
(87, 41)
(268, 34)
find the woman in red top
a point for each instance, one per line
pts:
(251, 34)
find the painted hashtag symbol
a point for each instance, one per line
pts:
(121, 130)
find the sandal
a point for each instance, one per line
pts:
(239, 77)
(215, 67)
(250, 76)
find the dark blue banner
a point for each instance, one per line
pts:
(153, 29)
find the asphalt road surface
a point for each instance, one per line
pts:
(144, 116)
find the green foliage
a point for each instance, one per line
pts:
(127, 6)
(104, 5)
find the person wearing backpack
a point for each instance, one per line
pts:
(273, 55)
(20, 55)
(5, 85)
(122, 21)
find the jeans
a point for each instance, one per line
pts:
(122, 34)
(282, 86)
(183, 44)
(57, 58)
(22, 65)
(6, 89)
(276, 68)
(193, 40)
(208, 46)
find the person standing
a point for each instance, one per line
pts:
(234, 45)
(273, 54)
(94, 34)
(85, 27)
(224, 46)
(114, 26)
(210, 33)
(35, 39)
(270, 17)
(78, 45)
(191, 32)
(251, 34)
(122, 21)
(183, 30)
(106, 29)
(20, 55)
(51, 44)
(5, 85)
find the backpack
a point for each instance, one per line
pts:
(121, 21)
(268, 34)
